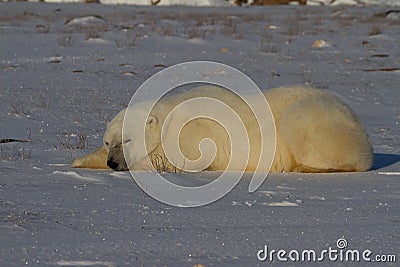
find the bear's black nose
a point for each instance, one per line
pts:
(112, 164)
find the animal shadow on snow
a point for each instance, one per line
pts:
(384, 160)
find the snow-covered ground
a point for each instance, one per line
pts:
(224, 2)
(66, 70)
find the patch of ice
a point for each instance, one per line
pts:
(121, 175)
(86, 21)
(98, 41)
(37, 168)
(77, 176)
(250, 203)
(347, 198)
(84, 263)
(384, 37)
(317, 198)
(283, 204)
(197, 41)
(267, 193)
(285, 187)
(389, 173)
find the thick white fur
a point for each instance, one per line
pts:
(315, 132)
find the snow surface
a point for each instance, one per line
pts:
(66, 70)
(227, 2)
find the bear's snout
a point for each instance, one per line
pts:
(112, 164)
(116, 159)
(116, 165)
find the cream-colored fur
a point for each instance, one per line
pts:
(315, 132)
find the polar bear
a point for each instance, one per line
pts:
(315, 132)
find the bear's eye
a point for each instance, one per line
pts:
(127, 141)
(107, 143)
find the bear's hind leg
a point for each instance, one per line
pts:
(324, 135)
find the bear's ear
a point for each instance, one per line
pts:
(151, 121)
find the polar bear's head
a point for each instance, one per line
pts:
(141, 136)
(112, 141)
